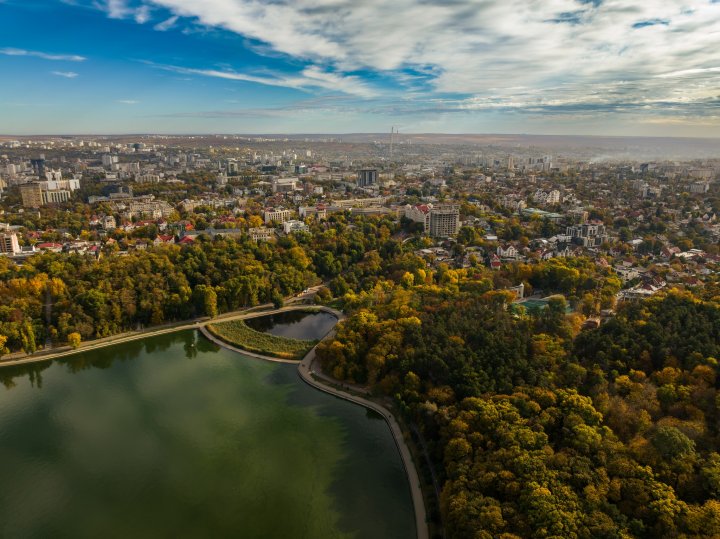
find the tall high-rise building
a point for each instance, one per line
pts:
(38, 194)
(38, 166)
(9, 244)
(439, 221)
(444, 220)
(31, 194)
(367, 177)
(108, 160)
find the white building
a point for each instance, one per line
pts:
(295, 226)
(318, 212)
(109, 160)
(9, 244)
(587, 234)
(546, 197)
(507, 252)
(261, 233)
(147, 178)
(284, 185)
(58, 184)
(279, 215)
(108, 222)
(699, 187)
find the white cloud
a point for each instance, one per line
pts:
(142, 14)
(502, 53)
(116, 9)
(310, 77)
(689, 72)
(8, 51)
(167, 24)
(128, 101)
(66, 74)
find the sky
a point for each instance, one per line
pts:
(571, 67)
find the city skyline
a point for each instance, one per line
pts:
(590, 67)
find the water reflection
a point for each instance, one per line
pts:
(179, 438)
(304, 325)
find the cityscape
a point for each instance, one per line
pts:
(329, 269)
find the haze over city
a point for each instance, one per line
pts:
(592, 67)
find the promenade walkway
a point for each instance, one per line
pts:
(198, 323)
(308, 370)
(312, 374)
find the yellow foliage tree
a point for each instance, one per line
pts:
(74, 339)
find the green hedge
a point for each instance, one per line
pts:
(241, 335)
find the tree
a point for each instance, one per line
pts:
(255, 221)
(671, 443)
(27, 334)
(277, 299)
(3, 349)
(74, 339)
(206, 300)
(323, 295)
(408, 279)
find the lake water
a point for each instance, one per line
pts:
(173, 436)
(294, 324)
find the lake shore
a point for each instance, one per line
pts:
(312, 374)
(307, 370)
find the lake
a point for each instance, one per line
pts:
(294, 324)
(172, 436)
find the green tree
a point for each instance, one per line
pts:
(206, 300)
(671, 443)
(277, 299)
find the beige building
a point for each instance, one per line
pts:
(261, 233)
(438, 221)
(278, 215)
(37, 194)
(444, 220)
(31, 195)
(9, 244)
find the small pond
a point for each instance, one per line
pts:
(304, 325)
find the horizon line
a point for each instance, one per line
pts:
(358, 133)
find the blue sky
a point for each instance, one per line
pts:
(606, 67)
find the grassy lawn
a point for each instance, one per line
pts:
(239, 334)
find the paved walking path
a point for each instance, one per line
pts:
(312, 374)
(63, 351)
(308, 371)
(222, 343)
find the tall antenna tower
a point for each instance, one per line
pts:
(393, 132)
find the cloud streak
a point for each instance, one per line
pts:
(310, 77)
(9, 51)
(65, 74)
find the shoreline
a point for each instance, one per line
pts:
(316, 379)
(212, 338)
(308, 375)
(197, 323)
